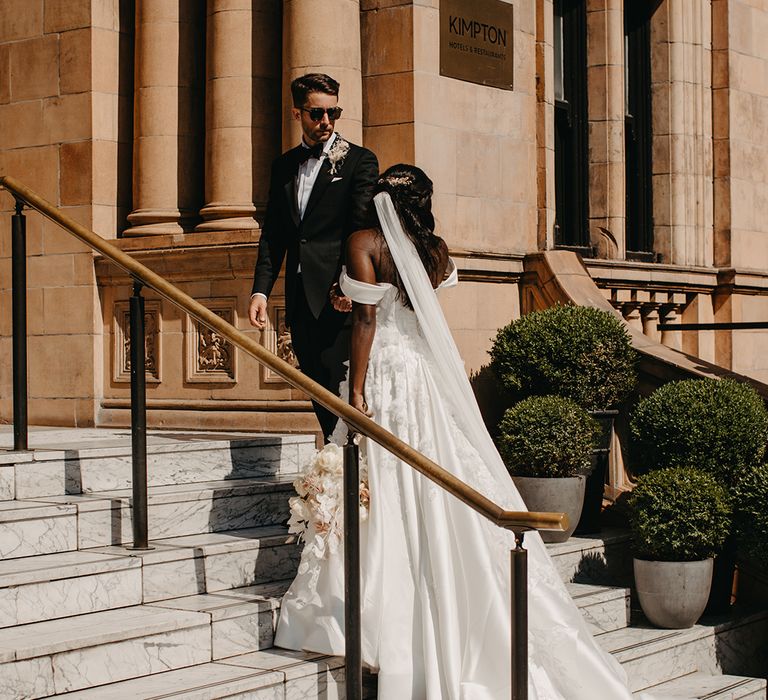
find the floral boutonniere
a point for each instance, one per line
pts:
(337, 153)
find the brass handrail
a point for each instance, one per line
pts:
(359, 422)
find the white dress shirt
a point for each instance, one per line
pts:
(308, 172)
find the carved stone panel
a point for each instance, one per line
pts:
(121, 341)
(210, 358)
(277, 339)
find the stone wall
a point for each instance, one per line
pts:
(156, 127)
(60, 106)
(740, 120)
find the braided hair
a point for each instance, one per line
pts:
(411, 193)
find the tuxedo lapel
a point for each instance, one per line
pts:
(292, 161)
(321, 184)
(293, 200)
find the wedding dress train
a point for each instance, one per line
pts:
(435, 574)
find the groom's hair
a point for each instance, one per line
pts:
(312, 82)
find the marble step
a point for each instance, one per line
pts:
(605, 608)
(604, 559)
(92, 649)
(51, 586)
(62, 463)
(58, 656)
(213, 562)
(105, 518)
(28, 528)
(273, 674)
(707, 687)
(736, 644)
(243, 620)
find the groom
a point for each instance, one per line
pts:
(319, 193)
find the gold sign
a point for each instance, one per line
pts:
(476, 41)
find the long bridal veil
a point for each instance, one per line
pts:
(447, 361)
(565, 661)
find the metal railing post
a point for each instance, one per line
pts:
(138, 420)
(19, 303)
(352, 597)
(519, 593)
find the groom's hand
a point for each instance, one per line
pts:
(257, 311)
(338, 300)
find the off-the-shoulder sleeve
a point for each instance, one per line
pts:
(453, 276)
(361, 292)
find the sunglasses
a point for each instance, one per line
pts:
(316, 113)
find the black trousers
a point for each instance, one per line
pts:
(322, 347)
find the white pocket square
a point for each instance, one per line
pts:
(336, 179)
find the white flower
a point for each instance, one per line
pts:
(317, 513)
(330, 459)
(337, 153)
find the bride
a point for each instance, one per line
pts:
(435, 574)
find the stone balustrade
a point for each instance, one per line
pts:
(649, 295)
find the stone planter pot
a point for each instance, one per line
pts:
(589, 523)
(565, 495)
(673, 594)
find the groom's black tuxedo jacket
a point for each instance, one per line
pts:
(338, 205)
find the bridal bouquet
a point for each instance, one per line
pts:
(319, 506)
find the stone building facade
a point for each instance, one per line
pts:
(635, 134)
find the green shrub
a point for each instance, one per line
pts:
(720, 426)
(574, 351)
(678, 514)
(750, 496)
(547, 436)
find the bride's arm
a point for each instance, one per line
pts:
(359, 257)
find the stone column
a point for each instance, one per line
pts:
(670, 313)
(164, 107)
(229, 117)
(650, 313)
(605, 79)
(324, 40)
(545, 124)
(683, 157)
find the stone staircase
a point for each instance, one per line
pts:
(82, 616)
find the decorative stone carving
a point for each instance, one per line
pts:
(277, 339)
(210, 357)
(121, 334)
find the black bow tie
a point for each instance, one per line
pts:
(305, 153)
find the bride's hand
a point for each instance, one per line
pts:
(357, 401)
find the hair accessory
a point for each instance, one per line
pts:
(397, 180)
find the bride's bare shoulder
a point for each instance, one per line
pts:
(363, 239)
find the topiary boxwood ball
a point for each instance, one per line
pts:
(547, 436)
(678, 514)
(719, 426)
(750, 497)
(574, 351)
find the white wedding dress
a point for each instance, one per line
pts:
(435, 574)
